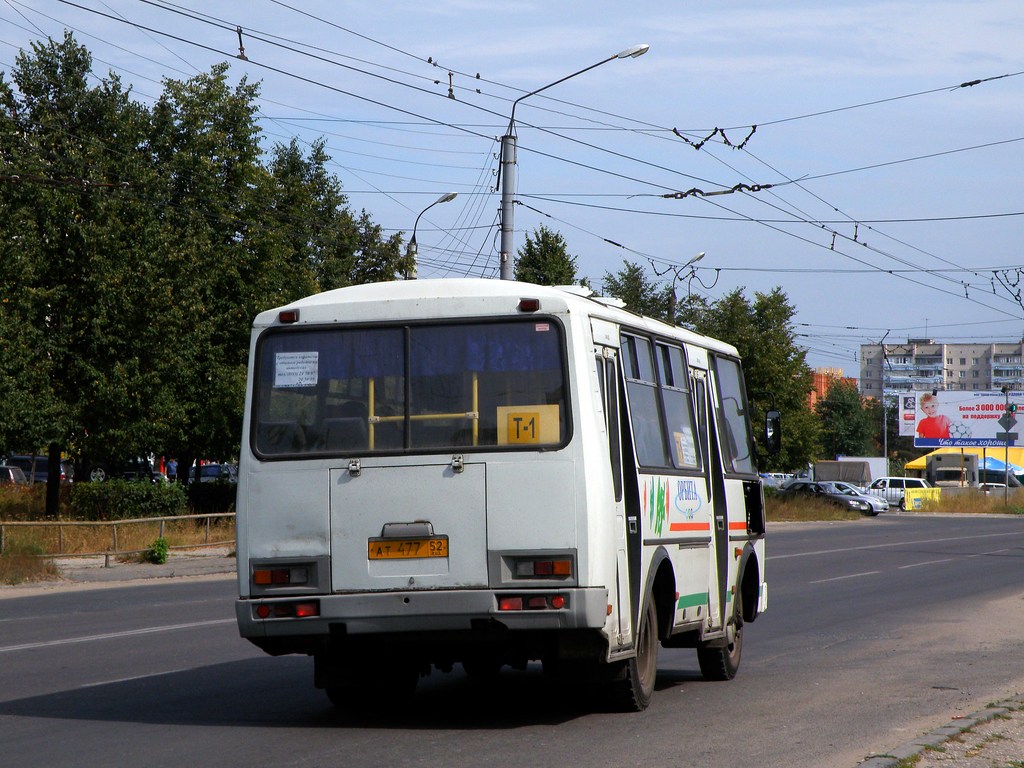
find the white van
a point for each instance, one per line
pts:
(893, 489)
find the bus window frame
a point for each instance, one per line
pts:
(724, 424)
(406, 327)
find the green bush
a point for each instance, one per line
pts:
(123, 499)
(157, 553)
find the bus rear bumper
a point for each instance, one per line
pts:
(365, 615)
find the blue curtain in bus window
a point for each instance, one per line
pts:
(502, 347)
(368, 353)
(339, 354)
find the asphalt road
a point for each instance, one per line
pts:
(877, 631)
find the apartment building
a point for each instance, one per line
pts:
(924, 364)
(823, 379)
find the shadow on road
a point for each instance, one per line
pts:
(278, 693)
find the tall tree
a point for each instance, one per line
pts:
(545, 260)
(642, 295)
(205, 141)
(136, 246)
(774, 366)
(72, 225)
(845, 430)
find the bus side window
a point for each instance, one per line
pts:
(732, 410)
(644, 410)
(678, 407)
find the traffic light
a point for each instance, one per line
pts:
(1011, 408)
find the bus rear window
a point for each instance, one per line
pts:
(343, 391)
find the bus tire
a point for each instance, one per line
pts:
(635, 686)
(722, 662)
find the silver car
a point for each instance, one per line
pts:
(876, 503)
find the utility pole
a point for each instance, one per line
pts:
(507, 166)
(885, 421)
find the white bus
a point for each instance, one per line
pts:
(486, 473)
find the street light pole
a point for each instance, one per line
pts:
(885, 420)
(411, 250)
(1006, 448)
(507, 166)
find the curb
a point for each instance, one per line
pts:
(940, 735)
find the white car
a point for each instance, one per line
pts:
(877, 503)
(893, 489)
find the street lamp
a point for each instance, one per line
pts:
(411, 249)
(506, 168)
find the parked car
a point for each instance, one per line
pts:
(876, 503)
(893, 489)
(215, 473)
(774, 479)
(131, 469)
(12, 475)
(797, 488)
(41, 465)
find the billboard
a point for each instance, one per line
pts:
(960, 419)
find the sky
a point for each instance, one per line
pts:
(864, 157)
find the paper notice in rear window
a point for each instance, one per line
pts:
(295, 369)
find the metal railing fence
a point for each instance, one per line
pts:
(61, 526)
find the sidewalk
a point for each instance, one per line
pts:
(990, 738)
(189, 562)
(102, 571)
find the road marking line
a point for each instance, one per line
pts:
(926, 562)
(115, 635)
(840, 578)
(817, 552)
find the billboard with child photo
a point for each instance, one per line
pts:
(958, 419)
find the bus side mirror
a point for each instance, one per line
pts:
(773, 431)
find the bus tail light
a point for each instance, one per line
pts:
(560, 568)
(293, 609)
(528, 602)
(267, 577)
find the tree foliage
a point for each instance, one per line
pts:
(774, 366)
(545, 260)
(641, 294)
(136, 245)
(846, 430)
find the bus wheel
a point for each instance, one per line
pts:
(723, 662)
(636, 684)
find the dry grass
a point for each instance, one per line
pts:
(22, 563)
(26, 547)
(804, 510)
(71, 538)
(971, 501)
(966, 503)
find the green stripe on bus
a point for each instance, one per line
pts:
(692, 601)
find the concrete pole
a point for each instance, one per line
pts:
(508, 184)
(507, 169)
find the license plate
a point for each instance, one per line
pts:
(407, 549)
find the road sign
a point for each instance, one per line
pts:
(1007, 421)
